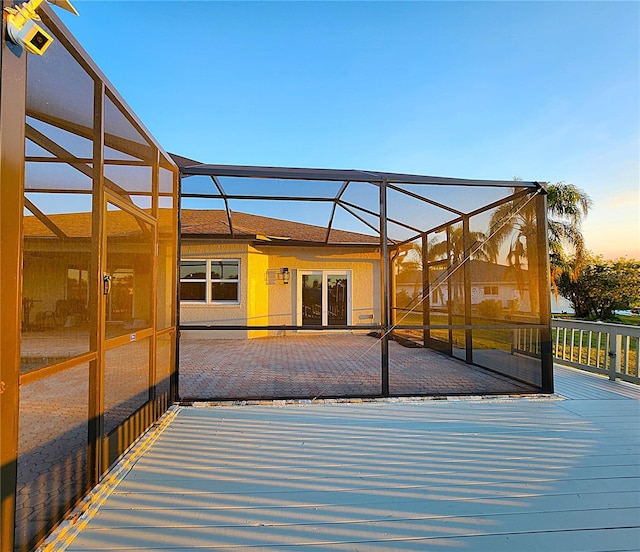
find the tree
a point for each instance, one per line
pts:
(602, 287)
(454, 250)
(451, 248)
(567, 205)
(515, 223)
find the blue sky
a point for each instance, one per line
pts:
(544, 91)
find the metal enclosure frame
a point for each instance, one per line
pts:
(531, 195)
(102, 448)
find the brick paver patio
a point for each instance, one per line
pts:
(333, 365)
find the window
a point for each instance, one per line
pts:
(78, 285)
(491, 290)
(210, 281)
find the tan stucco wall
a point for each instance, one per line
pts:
(258, 291)
(365, 280)
(45, 281)
(266, 300)
(193, 313)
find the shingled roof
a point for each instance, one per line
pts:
(215, 224)
(78, 225)
(197, 223)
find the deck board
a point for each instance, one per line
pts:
(511, 474)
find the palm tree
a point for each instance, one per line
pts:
(516, 221)
(453, 250)
(567, 205)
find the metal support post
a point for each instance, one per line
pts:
(466, 259)
(385, 289)
(12, 171)
(544, 292)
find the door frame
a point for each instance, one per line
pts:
(114, 443)
(325, 296)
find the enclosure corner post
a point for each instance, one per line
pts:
(385, 289)
(544, 293)
(12, 172)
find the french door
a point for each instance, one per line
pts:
(324, 298)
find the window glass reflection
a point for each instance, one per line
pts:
(55, 279)
(130, 268)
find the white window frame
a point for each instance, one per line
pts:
(208, 280)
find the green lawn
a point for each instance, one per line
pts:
(630, 320)
(482, 338)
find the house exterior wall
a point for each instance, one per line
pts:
(265, 299)
(48, 282)
(364, 267)
(217, 314)
(257, 283)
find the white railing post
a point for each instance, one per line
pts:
(615, 348)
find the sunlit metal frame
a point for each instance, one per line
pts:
(102, 450)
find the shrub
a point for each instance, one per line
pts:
(490, 308)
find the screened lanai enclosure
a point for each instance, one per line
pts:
(305, 283)
(282, 283)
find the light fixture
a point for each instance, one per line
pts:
(22, 28)
(286, 275)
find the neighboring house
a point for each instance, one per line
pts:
(250, 270)
(489, 281)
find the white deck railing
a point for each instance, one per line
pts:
(608, 349)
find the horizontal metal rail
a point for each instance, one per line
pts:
(512, 326)
(280, 327)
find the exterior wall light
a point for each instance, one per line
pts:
(22, 28)
(286, 275)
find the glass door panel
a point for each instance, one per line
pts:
(324, 298)
(337, 299)
(312, 299)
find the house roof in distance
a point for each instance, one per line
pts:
(199, 223)
(214, 224)
(78, 225)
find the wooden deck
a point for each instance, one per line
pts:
(559, 473)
